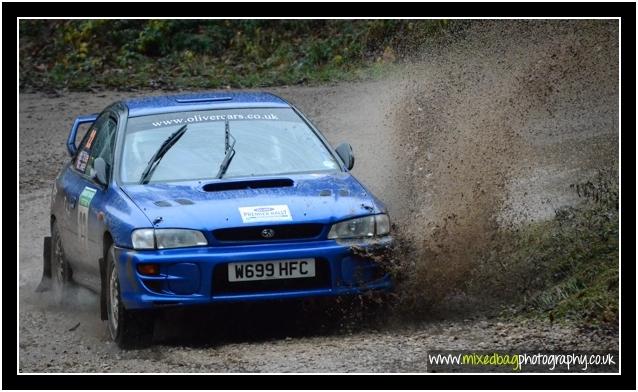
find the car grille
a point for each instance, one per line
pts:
(278, 232)
(221, 285)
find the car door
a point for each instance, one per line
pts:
(81, 192)
(94, 204)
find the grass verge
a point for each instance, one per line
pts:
(564, 269)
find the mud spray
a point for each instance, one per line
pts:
(496, 120)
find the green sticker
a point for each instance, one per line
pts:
(86, 196)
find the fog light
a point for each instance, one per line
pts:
(148, 269)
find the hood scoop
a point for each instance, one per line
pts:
(252, 184)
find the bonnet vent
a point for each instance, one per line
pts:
(254, 184)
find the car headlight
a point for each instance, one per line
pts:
(364, 227)
(143, 239)
(167, 238)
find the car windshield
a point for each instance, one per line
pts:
(269, 141)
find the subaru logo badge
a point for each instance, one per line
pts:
(267, 233)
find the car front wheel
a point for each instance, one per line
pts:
(128, 328)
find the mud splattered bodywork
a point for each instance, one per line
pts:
(301, 208)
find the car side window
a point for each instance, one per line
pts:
(81, 159)
(99, 142)
(102, 147)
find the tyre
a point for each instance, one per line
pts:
(60, 269)
(128, 328)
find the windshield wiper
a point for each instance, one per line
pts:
(157, 157)
(229, 149)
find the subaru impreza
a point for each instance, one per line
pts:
(209, 197)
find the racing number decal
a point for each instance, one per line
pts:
(83, 214)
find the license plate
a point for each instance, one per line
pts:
(266, 270)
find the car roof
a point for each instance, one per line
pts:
(202, 101)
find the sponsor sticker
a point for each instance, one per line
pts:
(83, 213)
(86, 196)
(197, 118)
(274, 213)
(91, 137)
(83, 158)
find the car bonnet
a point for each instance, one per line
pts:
(210, 205)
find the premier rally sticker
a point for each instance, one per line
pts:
(265, 213)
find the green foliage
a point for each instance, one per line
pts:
(565, 268)
(125, 54)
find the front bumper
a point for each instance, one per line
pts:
(187, 276)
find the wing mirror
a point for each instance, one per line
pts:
(99, 170)
(344, 150)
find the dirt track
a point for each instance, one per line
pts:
(489, 128)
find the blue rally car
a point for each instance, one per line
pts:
(211, 197)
